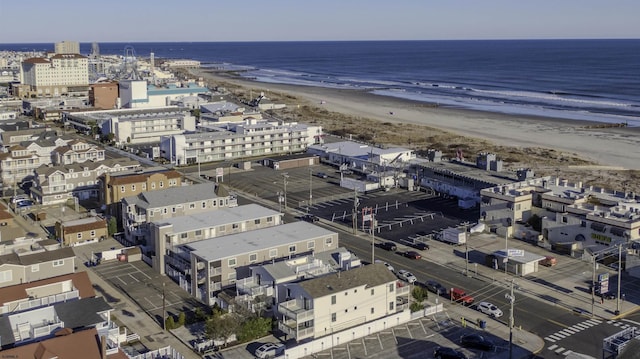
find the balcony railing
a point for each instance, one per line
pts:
(293, 309)
(298, 333)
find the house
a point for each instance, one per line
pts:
(57, 184)
(77, 151)
(205, 267)
(81, 231)
(35, 265)
(173, 201)
(113, 187)
(321, 306)
(169, 233)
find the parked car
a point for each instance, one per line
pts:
(412, 255)
(310, 218)
(489, 309)
(420, 246)
(476, 341)
(321, 175)
(407, 276)
(24, 203)
(549, 261)
(436, 287)
(609, 295)
(270, 350)
(459, 295)
(389, 266)
(448, 353)
(390, 246)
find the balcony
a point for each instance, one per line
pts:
(215, 271)
(295, 310)
(402, 288)
(250, 287)
(293, 330)
(137, 218)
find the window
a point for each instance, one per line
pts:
(153, 185)
(257, 221)
(328, 241)
(235, 226)
(164, 210)
(269, 219)
(183, 235)
(273, 253)
(161, 184)
(6, 276)
(292, 249)
(204, 204)
(133, 187)
(214, 203)
(79, 235)
(232, 262)
(173, 209)
(35, 267)
(253, 257)
(92, 234)
(192, 205)
(199, 232)
(346, 310)
(144, 186)
(355, 308)
(121, 189)
(391, 287)
(58, 263)
(333, 299)
(355, 291)
(390, 305)
(311, 245)
(222, 229)
(372, 310)
(333, 317)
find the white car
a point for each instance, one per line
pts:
(407, 276)
(270, 350)
(389, 266)
(489, 309)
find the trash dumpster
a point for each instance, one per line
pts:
(482, 323)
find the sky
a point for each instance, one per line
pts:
(46, 21)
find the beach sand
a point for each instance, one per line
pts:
(577, 150)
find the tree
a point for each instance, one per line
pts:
(416, 307)
(254, 328)
(182, 318)
(222, 327)
(112, 226)
(169, 323)
(420, 294)
(535, 222)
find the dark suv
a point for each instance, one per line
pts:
(310, 218)
(436, 287)
(390, 246)
(448, 353)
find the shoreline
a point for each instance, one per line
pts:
(608, 146)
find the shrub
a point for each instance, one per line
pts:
(182, 318)
(170, 323)
(415, 306)
(419, 294)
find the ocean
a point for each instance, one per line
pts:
(595, 80)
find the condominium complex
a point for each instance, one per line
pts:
(59, 74)
(140, 94)
(248, 138)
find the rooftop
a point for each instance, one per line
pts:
(174, 195)
(371, 275)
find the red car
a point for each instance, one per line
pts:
(412, 255)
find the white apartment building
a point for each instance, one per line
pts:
(218, 263)
(139, 94)
(60, 74)
(174, 201)
(248, 138)
(166, 234)
(321, 306)
(135, 126)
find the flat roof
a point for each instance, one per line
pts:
(222, 216)
(526, 257)
(371, 275)
(246, 242)
(355, 149)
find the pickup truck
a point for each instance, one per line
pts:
(459, 295)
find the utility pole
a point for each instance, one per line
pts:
(466, 251)
(164, 310)
(310, 189)
(617, 312)
(373, 235)
(511, 298)
(284, 177)
(593, 286)
(356, 203)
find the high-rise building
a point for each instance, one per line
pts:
(61, 74)
(67, 47)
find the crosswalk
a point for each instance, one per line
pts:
(556, 337)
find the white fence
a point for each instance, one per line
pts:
(361, 331)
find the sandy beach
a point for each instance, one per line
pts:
(578, 149)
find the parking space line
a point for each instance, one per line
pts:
(395, 339)
(120, 279)
(134, 278)
(380, 341)
(364, 345)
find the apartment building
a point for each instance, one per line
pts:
(57, 184)
(35, 265)
(67, 47)
(135, 126)
(59, 74)
(321, 306)
(115, 186)
(174, 201)
(81, 231)
(204, 268)
(265, 285)
(233, 140)
(104, 95)
(165, 235)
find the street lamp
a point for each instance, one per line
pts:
(284, 178)
(310, 189)
(511, 298)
